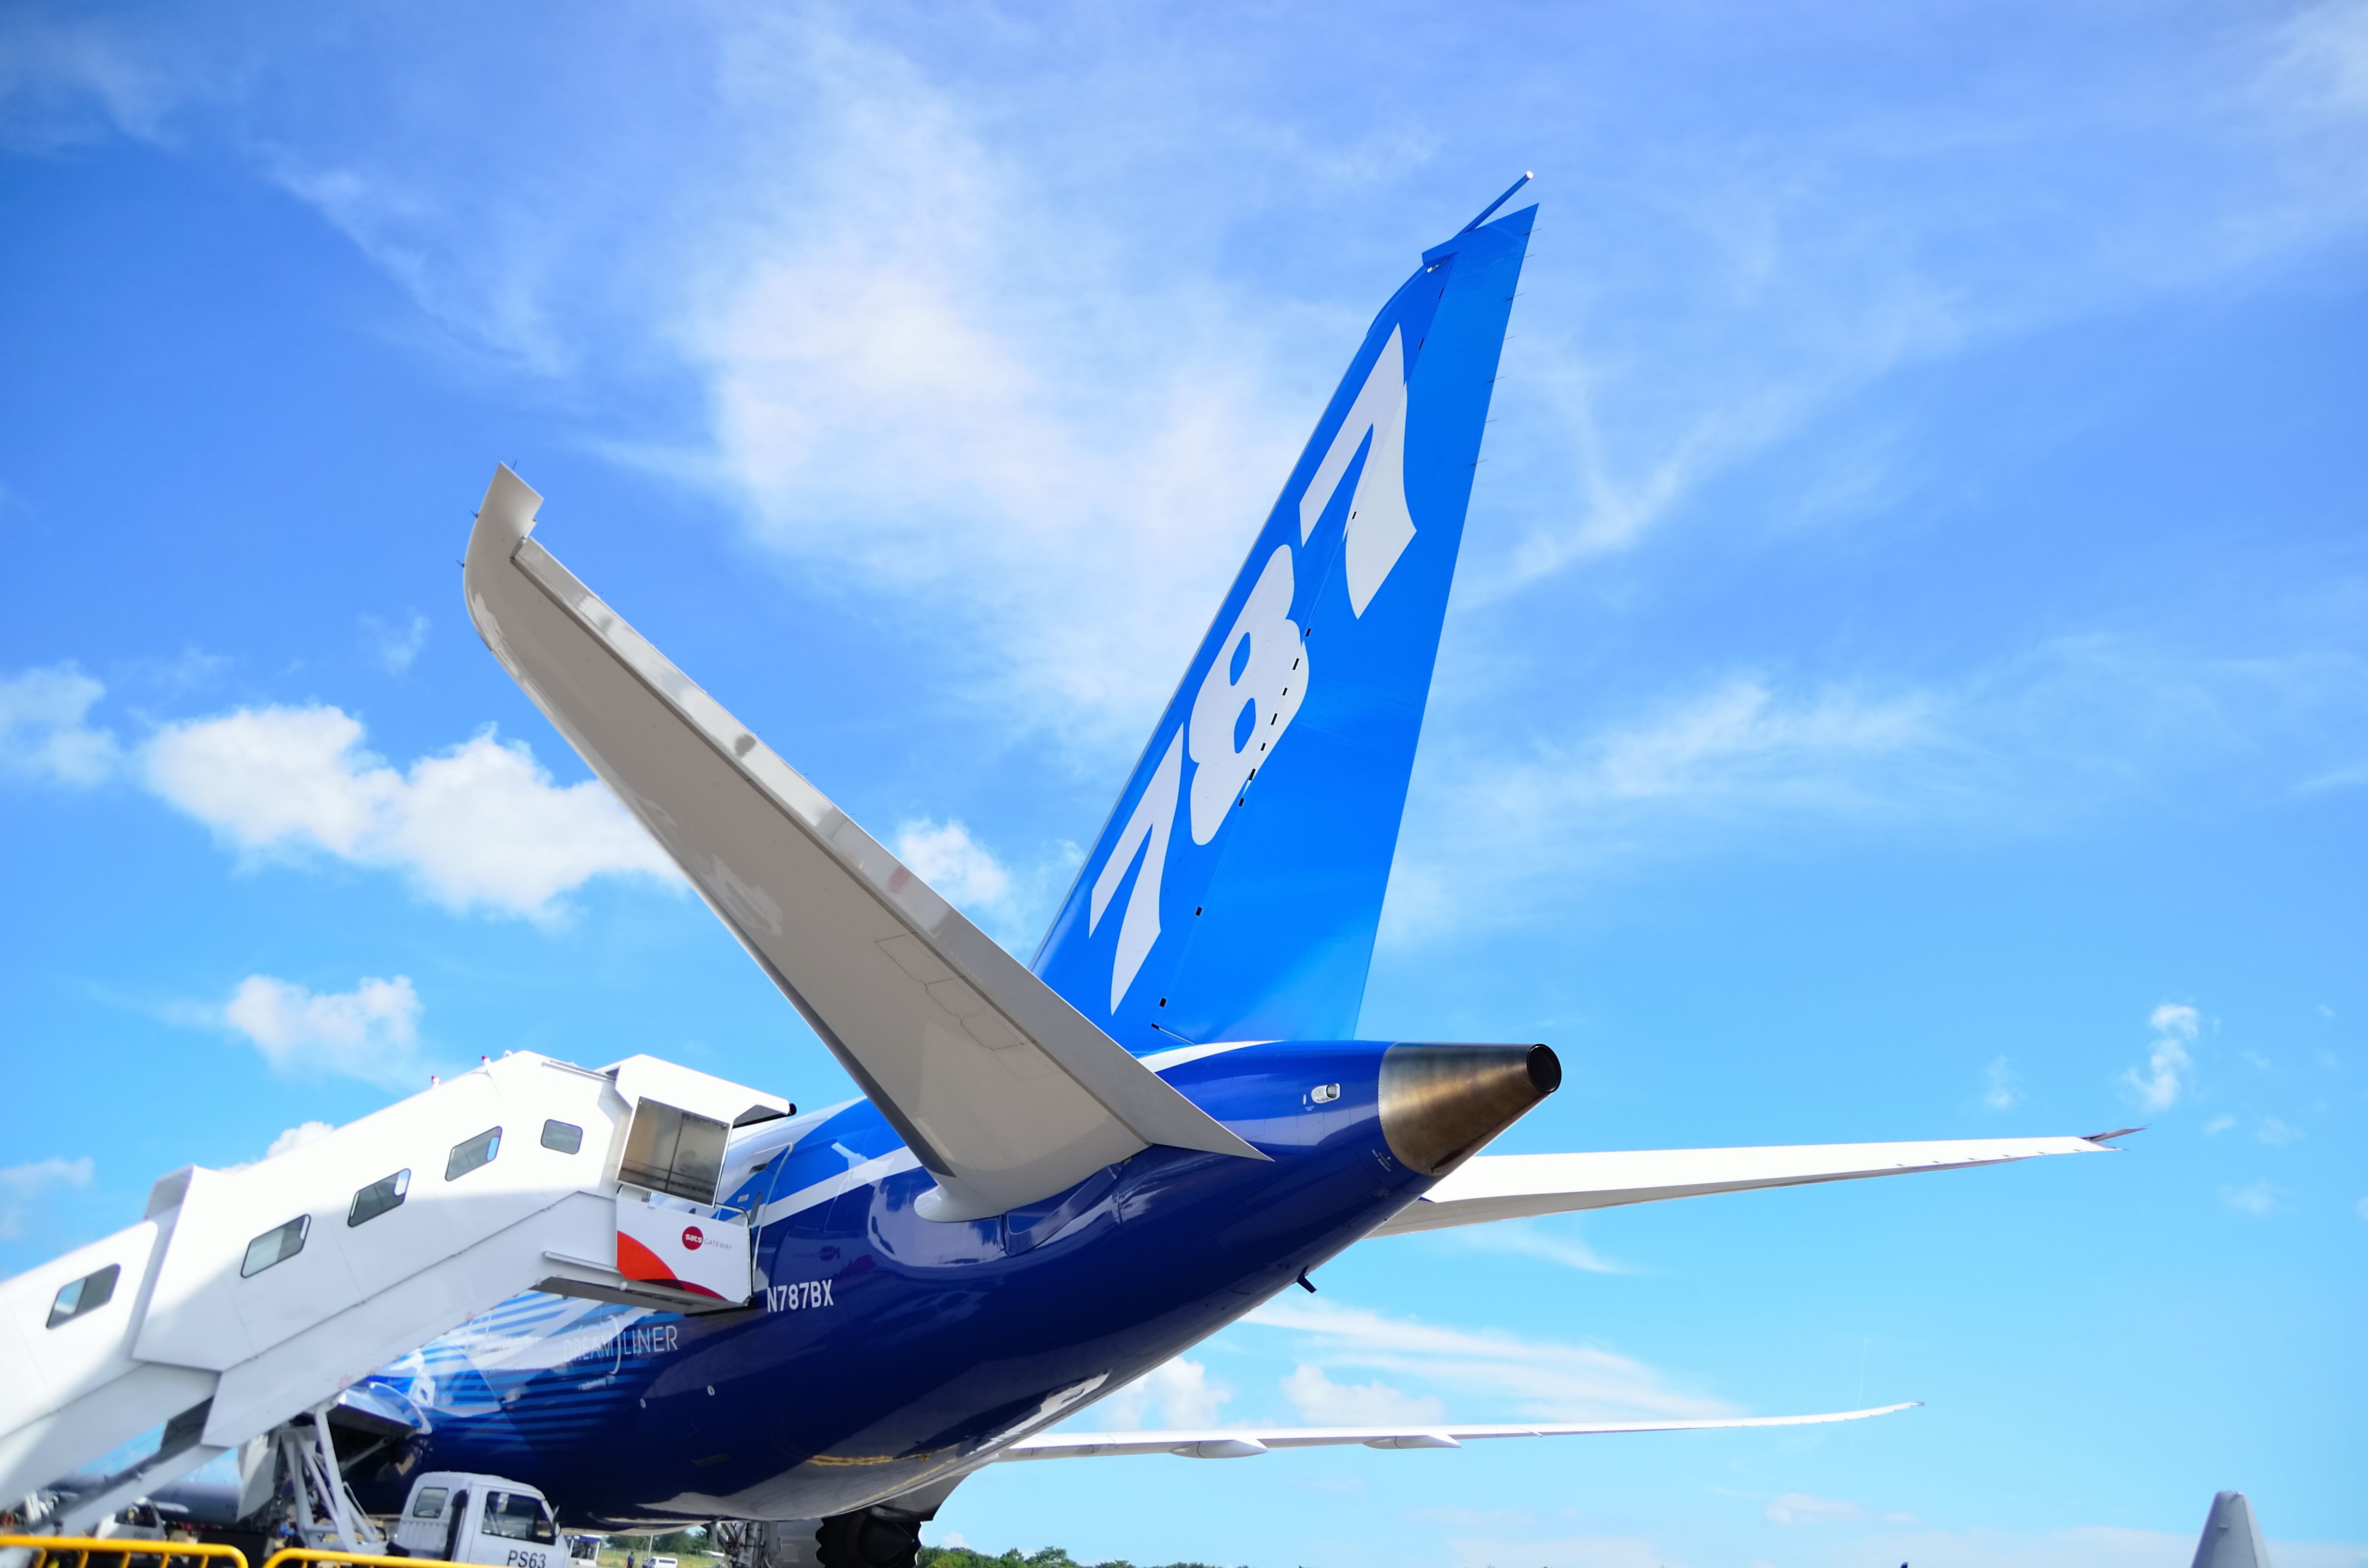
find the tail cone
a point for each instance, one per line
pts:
(1441, 1102)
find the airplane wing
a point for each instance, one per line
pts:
(1512, 1187)
(1004, 1092)
(1246, 1442)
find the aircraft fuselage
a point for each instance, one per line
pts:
(885, 1351)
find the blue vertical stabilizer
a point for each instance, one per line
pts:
(1234, 892)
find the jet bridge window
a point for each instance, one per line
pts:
(674, 1152)
(275, 1246)
(86, 1294)
(515, 1515)
(378, 1198)
(477, 1150)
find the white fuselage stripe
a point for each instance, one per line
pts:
(847, 1180)
(903, 1160)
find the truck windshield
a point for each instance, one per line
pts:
(515, 1515)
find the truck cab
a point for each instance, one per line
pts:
(461, 1516)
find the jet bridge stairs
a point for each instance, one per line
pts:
(237, 1311)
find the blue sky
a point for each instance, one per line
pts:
(1908, 675)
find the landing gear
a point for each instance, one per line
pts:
(871, 1537)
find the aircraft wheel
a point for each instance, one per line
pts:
(867, 1539)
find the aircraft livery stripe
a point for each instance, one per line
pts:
(829, 1187)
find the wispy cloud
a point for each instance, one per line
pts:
(392, 647)
(1550, 1241)
(1500, 821)
(1323, 1402)
(1801, 1508)
(45, 733)
(2169, 1067)
(2001, 1084)
(1543, 1379)
(23, 1185)
(2261, 1197)
(2275, 1131)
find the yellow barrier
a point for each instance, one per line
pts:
(287, 1555)
(83, 1547)
(126, 1547)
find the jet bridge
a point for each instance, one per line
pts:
(246, 1296)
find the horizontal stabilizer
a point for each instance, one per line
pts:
(1512, 1187)
(1246, 1442)
(1002, 1089)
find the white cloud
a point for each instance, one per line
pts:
(2169, 1068)
(1173, 1395)
(2361, 1207)
(2262, 1196)
(2218, 1125)
(2275, 1132)
(44, 732)
(2001, 1084)
(23, 1185)
(1323, 1402)
(393, 648)
(481, 826)
(1545, 1378)
(295, 1137)
(371, 1032)
(1800, 1509)
(959, 867)
(303, 1132)
(1551, 1241)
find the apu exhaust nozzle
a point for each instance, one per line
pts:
(1441, 1102)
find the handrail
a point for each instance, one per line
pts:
(127, 1546)
(288, 1554)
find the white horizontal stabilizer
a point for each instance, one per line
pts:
(1004, 1092)
(1244, 1442)
(1511, 1186)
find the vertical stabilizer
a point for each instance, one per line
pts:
(2231, 1539)
(1235, 890)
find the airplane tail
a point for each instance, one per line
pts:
(1235, 890)
(2232, 1538)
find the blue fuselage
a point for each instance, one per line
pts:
(885, 1351)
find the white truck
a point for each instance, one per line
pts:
(460, 1517)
